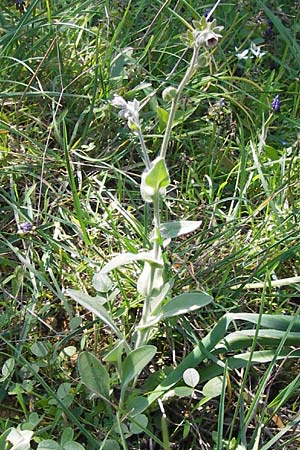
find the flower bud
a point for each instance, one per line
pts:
(169, 93)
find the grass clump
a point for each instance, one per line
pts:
(205, 151)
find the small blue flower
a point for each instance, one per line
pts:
(276, 104)
(25, 227)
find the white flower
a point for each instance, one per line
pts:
(256, 50)
(129, 111)
(20, 439)
(243, 55)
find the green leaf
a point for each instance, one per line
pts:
(243, 359)
(244, 338)
(109, 444)
(93, 374)
(48, 444)
(75, 322)
(271, 152)
(93, 305)
(184, 304)
(40, 349)
(115, 354)
(176, 306)
(69, 351)
(101, 282)
(67, 435)
(140, 422)
(183, 391)
(170, 230)
(209, 342)
(155, 180)
(135, 404)
(71, 445)
(127, 258)
(213, 388)
(7, 369)
(162, 115)
(3, 437)
(191, 377)
(135, 362)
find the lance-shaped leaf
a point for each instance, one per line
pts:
(181, 304)
(155, 180)
(127, 258)
(243, 359)
(208, 343)
(94, 306)
(93, 374)
(170, 230)
(134, 363)
(184, 304)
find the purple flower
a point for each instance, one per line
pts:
(276, 104)
(25, 227)
(208, 16)
(20, 4)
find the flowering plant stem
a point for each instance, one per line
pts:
(184, 81)
(143, 334)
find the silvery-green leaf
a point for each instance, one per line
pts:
(72, 445)
(181, 304)
(170, 230)
(135, 362)
(191, 377)
(127, 258)
(94, 305)
(48, 444)
(144, 285)
(7, 368)
(213, 388)
(101, 282)
(109, 444)
(158, 299)
(115, 354)
(135, 404)
(184, 304)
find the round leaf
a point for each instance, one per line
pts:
(71, 445)
(40, 349)
(48, 444)
(139, 421)
(110, 444)
(191, 377)
(101, 282)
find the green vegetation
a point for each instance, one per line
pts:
(149, 255)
